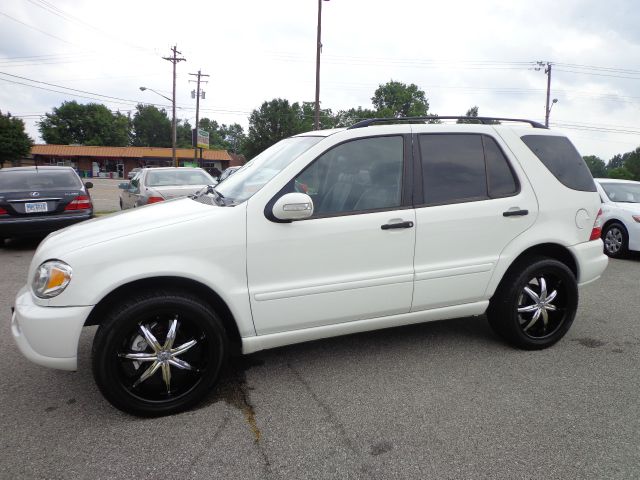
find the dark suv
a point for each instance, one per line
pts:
(39, 200)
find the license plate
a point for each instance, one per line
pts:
(36, 207)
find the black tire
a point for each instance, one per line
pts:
(191, 373)
(512, 309)
(616, 240)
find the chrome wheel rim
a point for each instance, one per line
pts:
(613, 240)
(163, 358)
(542, 306)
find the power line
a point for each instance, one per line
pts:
(35, 28)
(78, 21)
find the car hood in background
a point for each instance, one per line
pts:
(175, 191)
(632, 208)
(128, 222)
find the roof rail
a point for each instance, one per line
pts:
(483, 120)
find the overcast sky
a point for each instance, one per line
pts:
(461, 53)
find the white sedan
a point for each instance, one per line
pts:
(621, 215)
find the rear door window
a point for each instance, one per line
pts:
(562, 159)
(464, 167)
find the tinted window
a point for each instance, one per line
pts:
(160, 178)
(364, 174)
(562, 159)
(500, 177)
(453, 168)
(42, 179)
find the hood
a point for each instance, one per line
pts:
(633, 208)
(174, 191)
(128, 222)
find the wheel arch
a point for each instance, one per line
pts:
(546, 249)
(201, 291)
(551, 250)
(612, 221)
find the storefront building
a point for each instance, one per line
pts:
(117, 162)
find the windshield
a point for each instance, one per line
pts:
(43, 179)
(255, 174)
(161, 178)
(622, 192)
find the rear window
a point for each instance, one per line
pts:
(162, 178)
(21, 180)
(562, 159)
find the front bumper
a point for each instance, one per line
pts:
(17, 226)
(47, 336)
(590, 259)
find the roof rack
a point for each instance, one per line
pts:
(482, 120)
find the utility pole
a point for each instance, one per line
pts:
(197, 95)
(547, 71)
(318, 50)
(174, 59)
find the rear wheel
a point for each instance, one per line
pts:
(616, 240)
(535, 304)
(158, 354)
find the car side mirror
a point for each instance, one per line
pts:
(88, 184)
(293, 206)
(123, 186)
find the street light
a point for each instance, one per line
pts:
(555, 100)
(173, 123)
(318, 49)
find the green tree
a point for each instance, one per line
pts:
(396, 99)
(85, 124)
(596, 166)
(632, 163)
(183, 134)
(151, 127)
(616, 162)
(471, 113)
(346, 118)
(272, 122)
(234, 137)
(621, 173)
(14, 141)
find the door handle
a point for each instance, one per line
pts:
(389, 226)
(515, 213)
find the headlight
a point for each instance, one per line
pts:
(51, 278)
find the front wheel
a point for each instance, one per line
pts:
(616, 240)
(158, 353)
(535, 304)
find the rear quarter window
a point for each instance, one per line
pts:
(562, 159)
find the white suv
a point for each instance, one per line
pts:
(325, 233)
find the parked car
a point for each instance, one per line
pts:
(323, 234)
(39, 200)
(132, 172)
(227, 173)
(621, 215)
(152, 185)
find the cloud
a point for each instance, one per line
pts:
(461, 53)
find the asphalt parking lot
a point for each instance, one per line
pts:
(105, 194)
(438, 400)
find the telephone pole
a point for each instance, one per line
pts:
(547, 71)
(197, 95)
(316, 123)
(174, 59)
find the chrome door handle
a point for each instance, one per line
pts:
(389, 226)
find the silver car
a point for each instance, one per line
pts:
(151, 185)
